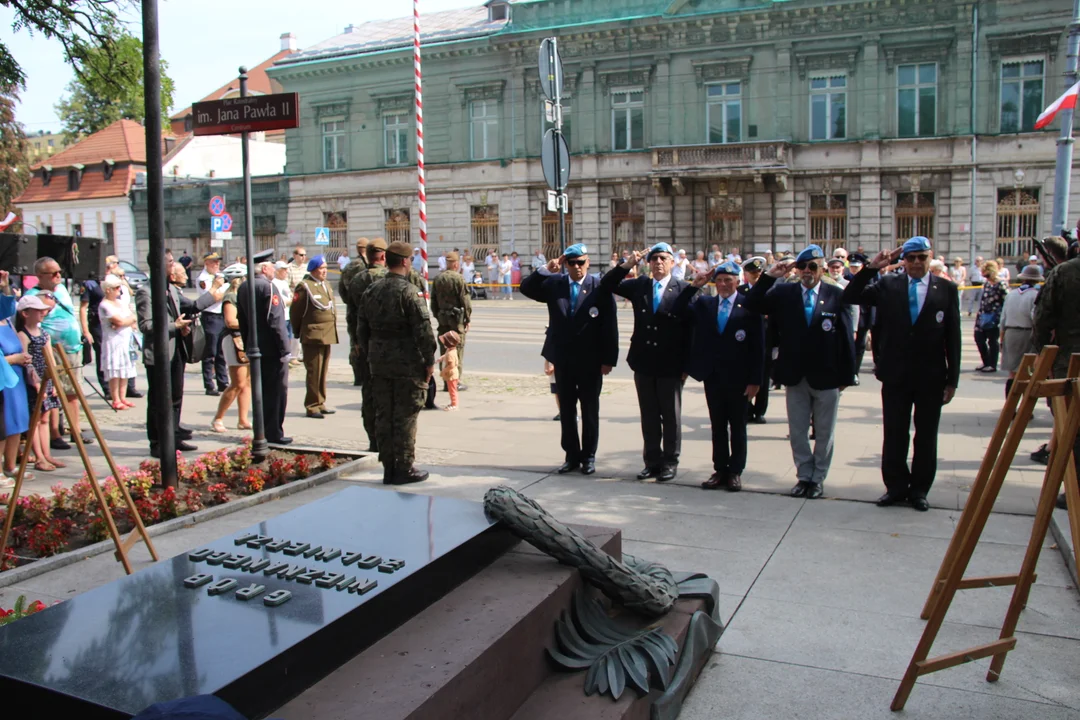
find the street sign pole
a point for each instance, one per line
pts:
(259, 449)
(553, 55)
(551, 79)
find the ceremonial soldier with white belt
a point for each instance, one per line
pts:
(314, 320)
(657, 355)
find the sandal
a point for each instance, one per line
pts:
(241, 426)
(57, 463)
(6, 482)
(218, 426)
(44, 466)
(129, 404)
(13, 473)
(119, 406)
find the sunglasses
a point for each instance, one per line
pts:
(918, 257)
(300, 254)
(576, 263)
(811, 266)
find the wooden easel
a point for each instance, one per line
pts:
(1031, 384)
(139, 532)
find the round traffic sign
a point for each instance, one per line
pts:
(547, 160)
(226, 222)
(551, 71)
(217, 205)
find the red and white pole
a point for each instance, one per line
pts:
(422, 191)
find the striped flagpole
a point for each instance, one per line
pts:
(422, 191)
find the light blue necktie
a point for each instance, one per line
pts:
(656, 295)
(913, 300)
(808, 305)
(722, 316)
(574, 290)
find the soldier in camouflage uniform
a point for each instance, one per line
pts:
(1058, 323)
(360, 282)
(358, 265)
(393, 330)
(451, 307)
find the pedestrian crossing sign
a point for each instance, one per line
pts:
(322, 236)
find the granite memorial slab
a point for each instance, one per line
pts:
(254, 618)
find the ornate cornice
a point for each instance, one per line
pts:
(808, 62)
(571, 80)
(487, 90)
(393, 103)
(722, 69)
(1006, 44)
(608, 79)
(931, 51)
(331, 108)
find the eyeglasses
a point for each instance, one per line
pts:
(576, 263)
(300, 254)
(54, 273)
(661, 258)
(811, 266)
(918, 257)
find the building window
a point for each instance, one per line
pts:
(265, 232)
(485, 231)
(484, 116)
(916, 100)
(110, 236)
(396, 132)
(550, 231)
(338, 223)
(828, 221)
(914, 215)
(828, 107)
(74, 179)
(1017, 222)
(76, 229)
(398, 226)
(1021, 94)
(333, 132)
(627, 225)
(725, 227)
(628, 120)
(723, 112)
(50, 142)
(188, 123)
(567, 121)
(107, 171)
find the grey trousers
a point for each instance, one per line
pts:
(804, 402)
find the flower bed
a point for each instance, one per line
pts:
(21, 610)
(71, 517)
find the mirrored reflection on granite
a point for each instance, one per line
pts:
(148, 637)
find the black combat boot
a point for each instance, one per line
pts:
(406, 477)
(388, 474)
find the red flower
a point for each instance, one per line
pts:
(36, 606)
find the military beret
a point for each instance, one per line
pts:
(452, 257)
(377, 243)
(315, 263)
(857, 259)
(576, 250)
(755, 264)
(660, 247)
(812, 252)
(915, 244)
(362, 242)
(727, 268)
(401, 249)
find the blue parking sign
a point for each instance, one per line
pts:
(217, 224)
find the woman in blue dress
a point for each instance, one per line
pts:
(16, 410)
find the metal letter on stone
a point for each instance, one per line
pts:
(197, 580)
(278, 597)
(221, 586)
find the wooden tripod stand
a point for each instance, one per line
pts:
(139, 531)
(1031, 384)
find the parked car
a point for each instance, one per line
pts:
(136, 278)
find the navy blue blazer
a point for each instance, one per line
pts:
(823, 352)
(661, 339)
(736, 357)
(584, 339)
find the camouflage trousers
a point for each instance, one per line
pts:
(460, 353)
(367, 407)
(398, 402)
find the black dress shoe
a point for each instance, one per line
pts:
(557, 418)
(588, 467)
(412, 475)
(1042, 455)
(734, 482)
(814, 491)
(328, 411)
(758, 420)
(647, 473)
(212, 392)
(889, 499)
(315, 415)
(666, 474)
(134, 394)
(1062, 502)
(716, 481)
(799, 490)
(920, 504)
(155, 452)
(568, 467)
(185, 446)
(184, 434)
(281, 441)
(59, 444)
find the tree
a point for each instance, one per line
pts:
(110, 88)
(14, 166)
(81, 27)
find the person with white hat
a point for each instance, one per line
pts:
(117, 335)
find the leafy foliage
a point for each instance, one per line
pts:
(614, 654)
(14, 165)
(20, 610)
(110, 88)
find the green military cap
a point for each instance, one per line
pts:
(451, 257)
(401, 249)
(377, 244)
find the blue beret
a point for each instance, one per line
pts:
(661, 247)
(727, 268)
(812, 252)
(915, 244)
(576, 250)
(315, 263)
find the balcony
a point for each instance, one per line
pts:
(753, 158)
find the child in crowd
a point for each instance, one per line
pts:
(449, 363)
(31, 311)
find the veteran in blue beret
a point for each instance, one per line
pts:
(658, 350)
(917, 360)
(728, 356)
(582, 342)
(815, 358)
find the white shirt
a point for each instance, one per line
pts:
(679, 270)
(467, 269)
(921, 289)
(538, 262)
(442, 262)
(663, 284)
(720, 305)
(204, 283)
(282, 286)
(343, 261)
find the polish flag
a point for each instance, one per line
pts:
(8, 221)
(1065, 102)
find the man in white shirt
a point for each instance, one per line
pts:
(973, 297)
(538, 261)
(343, 261)
(214, 366)
(442, 262)
(678, 271)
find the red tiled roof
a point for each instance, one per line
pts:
(258, 82)
(93, 185)
(123, 141)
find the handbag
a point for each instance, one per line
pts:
(238, 343)
(986, 321)
(196, 342)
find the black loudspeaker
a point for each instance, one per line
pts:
(18, 253)
(80, 258)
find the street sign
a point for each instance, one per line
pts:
(216, 241)
(547, 160)
(255, 113)
(226, 222)
(217, 205)
(221, 236)
(322, 236)
(551, 72)
(217, 224)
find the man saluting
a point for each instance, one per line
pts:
(657, 355)
(582, 343)
(917, 360)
